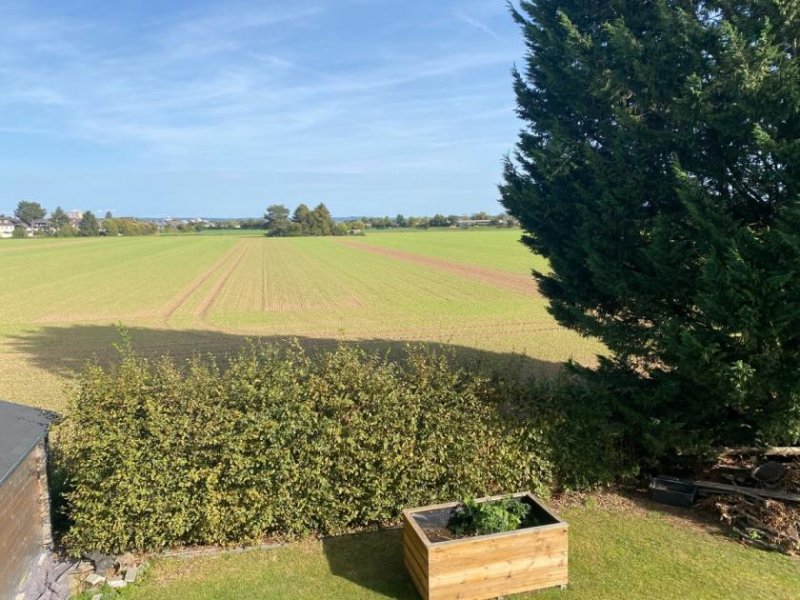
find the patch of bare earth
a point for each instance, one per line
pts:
(522, 284)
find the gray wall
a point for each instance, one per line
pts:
(24, 519)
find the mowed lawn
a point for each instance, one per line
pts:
(468, 290)
(619, 551)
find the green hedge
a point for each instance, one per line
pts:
(282, 442)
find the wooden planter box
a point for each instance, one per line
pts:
(485, 566)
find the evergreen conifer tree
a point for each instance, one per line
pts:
(58, 219)
(277, 218)
(659, 172)
(88, 225)
(321, 221)
(302, 217)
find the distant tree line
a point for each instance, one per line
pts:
(278, 221)
(128, 226)
(32, 219)
(303, 222)
(247, 224)
(438, 220)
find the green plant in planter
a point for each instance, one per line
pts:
(474, 518)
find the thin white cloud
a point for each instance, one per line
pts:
(462, 16)
(273, 60)
(222, 29)
(220, 89)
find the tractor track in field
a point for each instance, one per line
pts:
(186, 293)
(263, 271)
(205, 306)
(521, 284)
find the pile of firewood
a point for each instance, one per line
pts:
(757, 493)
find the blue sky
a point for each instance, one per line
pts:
(160, 108)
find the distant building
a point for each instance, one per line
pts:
(75, 217)
(474, 222)
(7, 227)
(40, 226)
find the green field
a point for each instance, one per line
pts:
(470, 290)
(497, 249)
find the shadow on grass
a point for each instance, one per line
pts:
(65, 350)
(697, 517)
(373, 561)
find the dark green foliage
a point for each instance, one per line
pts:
(285, 443)
(128, 227)
(29, 211)
(301, 218)
(277, 217)
(253, 224)
(590, 447)
(88, 225)
(497, 516)
(67, 230)
(439, 221)
(659, 173)
(19, 232)
(304, 222)
(321, 221)
(58, 220)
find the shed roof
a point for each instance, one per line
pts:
(21, 428)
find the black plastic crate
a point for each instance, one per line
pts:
(671, 491)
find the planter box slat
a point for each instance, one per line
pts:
(493, 571)
(479, 570)
(420, 582)
(487, 566)
(414, 553)
(530, 545)
(489, 589)
(416, 566)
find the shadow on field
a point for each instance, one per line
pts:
(373, 561)
(65, 350)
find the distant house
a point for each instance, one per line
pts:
(75, 217)
(7, 227)
(40, 226)
(24, 498)
(474, 223)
